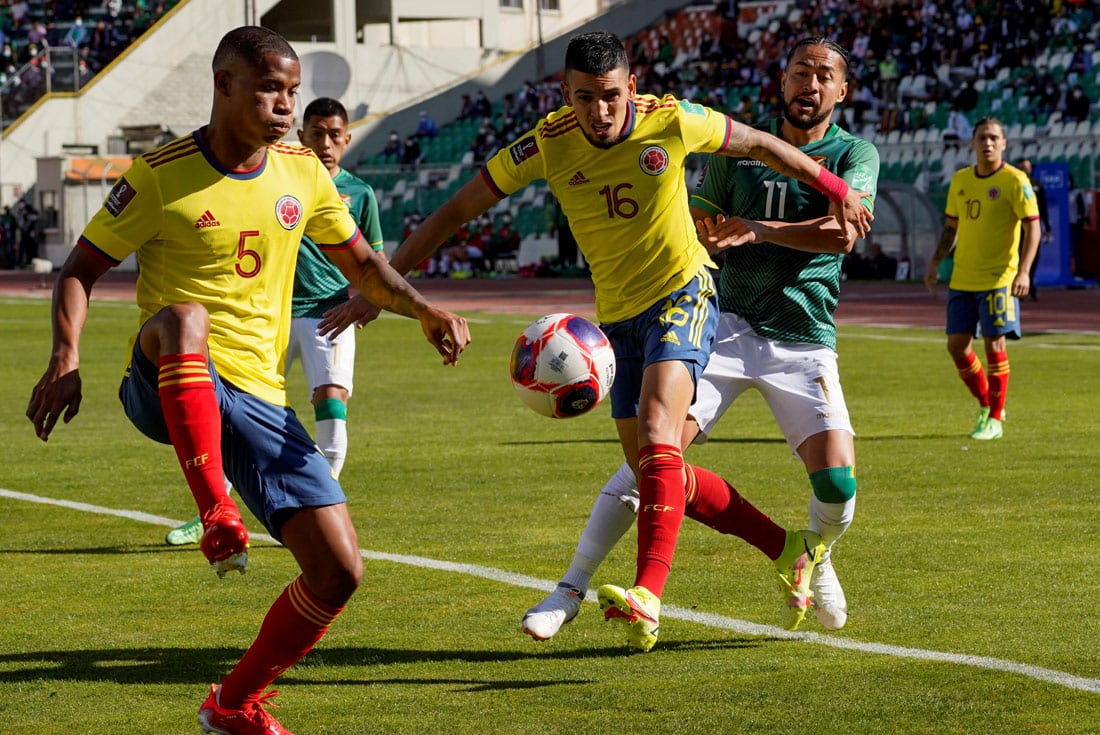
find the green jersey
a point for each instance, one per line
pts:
(318, 283)
(786, 295)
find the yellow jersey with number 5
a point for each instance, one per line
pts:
(627, 204)
(225, 239)
(989, 210)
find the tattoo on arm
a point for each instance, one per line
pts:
(947, 239)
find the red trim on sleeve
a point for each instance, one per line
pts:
(497, 191)
(91, 248)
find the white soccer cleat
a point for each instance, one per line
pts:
(545, 619)
(830, 606)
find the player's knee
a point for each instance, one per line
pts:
(338, 582)
(188, 323)
(834, 484)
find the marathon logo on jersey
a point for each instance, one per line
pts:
(288, 211)
(346, 199)
(523, 149)
(119, 196)
(654, 160)
(750, 162)
(994, 193)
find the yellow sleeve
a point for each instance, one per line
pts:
(703, 130)
(516, 165)
(131, 215)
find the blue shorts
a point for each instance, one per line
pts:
(267, 454)
(680, 326)
(996, 310)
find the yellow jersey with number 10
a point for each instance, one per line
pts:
(989, 210)
(627, 205)
(225, 239)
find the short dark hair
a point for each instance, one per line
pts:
(597, 52)
(988, 120)
(251, 44)
(828, 43)
(325, 107)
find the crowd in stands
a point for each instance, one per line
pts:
(915, 64)
(60, 45)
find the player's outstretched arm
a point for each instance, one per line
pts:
(789, 161)
(380, 284)
(472, 200)
(818, 235)
(58, 392)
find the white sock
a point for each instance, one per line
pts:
(613, 513)
(831, 520)
(332, 438)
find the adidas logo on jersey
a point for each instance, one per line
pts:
(207, 220)
(578, 178)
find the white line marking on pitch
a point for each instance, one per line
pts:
(744, 627)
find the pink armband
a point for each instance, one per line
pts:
(831, 185)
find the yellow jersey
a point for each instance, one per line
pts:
(627, 205)
(989, 210)
(225, 239)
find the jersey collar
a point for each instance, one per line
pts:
(200, 140)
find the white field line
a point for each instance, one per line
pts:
(712, 620)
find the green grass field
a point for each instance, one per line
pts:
(973, 605)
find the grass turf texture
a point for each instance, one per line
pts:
(958, 547)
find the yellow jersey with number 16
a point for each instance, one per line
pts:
(627, 204)
(225, 239)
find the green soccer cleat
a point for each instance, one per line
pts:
(983, 416)
(188, 533)
(795, 567)
(637, 608)
(991, 429)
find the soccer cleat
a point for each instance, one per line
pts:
(991, 429)
(830, 606)
(637, 608)
(983, 416)
(545, 619)
(225, 539)
(188, 533)
(251, 719)
(795, 567)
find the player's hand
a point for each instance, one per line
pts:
(449, 333)
(852, 211)
(719, 233)
(55, 396)
(1021, 285)
(356, 310)
(931, 278)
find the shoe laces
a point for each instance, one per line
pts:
(253, 709)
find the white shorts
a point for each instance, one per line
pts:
(799, 382)
(325, 362)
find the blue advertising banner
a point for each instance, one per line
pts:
(1055, 255)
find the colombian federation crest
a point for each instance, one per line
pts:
(288, 211)
(654, 160)
(994, 193)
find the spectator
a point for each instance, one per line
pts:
(426, 128)
(393, 146)
(410, 155)
(482, 107)
(967, 98)
(77, 33)
(468, 109)
(1077, 106)
(958, 126)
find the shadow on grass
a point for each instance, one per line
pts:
(200, 666)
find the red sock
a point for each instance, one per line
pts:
(718, 505)
(997, 363)
(660, 513)
(970, 370)
(291, 628)
(194, 424)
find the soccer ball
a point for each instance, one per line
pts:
(562, 366)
